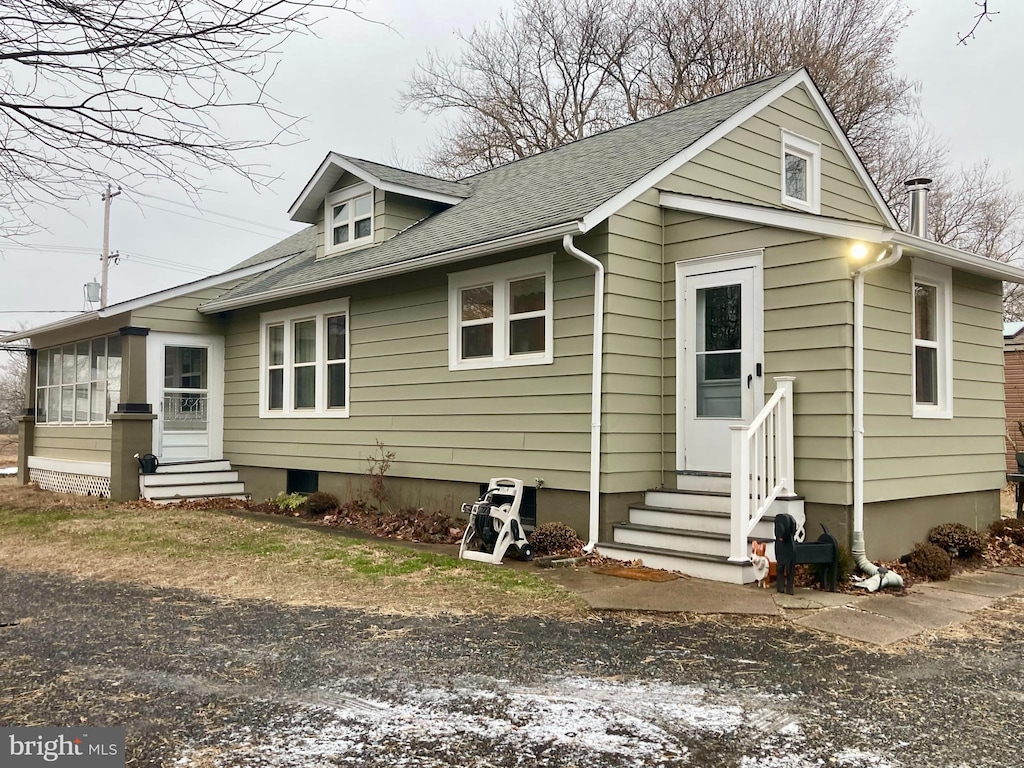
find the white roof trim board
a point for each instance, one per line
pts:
(148, 300)
(827, 227)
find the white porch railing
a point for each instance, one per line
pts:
(762, 465)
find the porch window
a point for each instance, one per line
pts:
(801, 172)
(501, 315)
(78, 383)
(304, 355)
(933, 330)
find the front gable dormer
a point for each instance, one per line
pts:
(357, 203)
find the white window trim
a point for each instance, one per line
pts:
(939, 277)
(76, 422)
(810, 150)
(288, 317)
(340, 196)
(500, 275)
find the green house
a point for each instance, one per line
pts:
(671, 331)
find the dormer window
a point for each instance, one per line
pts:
(348, 217)
(801, 172)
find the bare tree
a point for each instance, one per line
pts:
(556, 71)
(983, 14)
(94, 90)
(13, 366)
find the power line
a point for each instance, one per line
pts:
(75, 250)
(214, 213)
(36, 312)
(208, 221)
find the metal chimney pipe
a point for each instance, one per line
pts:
(917, 191)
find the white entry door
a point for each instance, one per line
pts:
(719, 370)
(187, 374)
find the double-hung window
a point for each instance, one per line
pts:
(932, 369)
(501, 315)
(304, 361)
(801, 172)
(348, 218)
(78, 383)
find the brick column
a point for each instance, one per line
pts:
(27, 421)
(131, 426)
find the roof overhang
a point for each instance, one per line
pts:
(306, 207)
(522, 240)
(147, 300)
(850, 230)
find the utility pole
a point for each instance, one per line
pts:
(106, 242)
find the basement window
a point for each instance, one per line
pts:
(801, 172)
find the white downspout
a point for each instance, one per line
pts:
(595, 389)
(878, 577)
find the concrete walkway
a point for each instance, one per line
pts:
(879, 619)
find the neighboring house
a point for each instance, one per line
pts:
(455, 323)
(1013, 372)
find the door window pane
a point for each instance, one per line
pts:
(526, 336)
(336, 385)
(185, 367)
(527, 295)
(718, 355)
(305, 387)
(305, 341)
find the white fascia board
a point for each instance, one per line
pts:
(307, 204)
(675, 162)
(965, 261)
(775, 217)
(149, 299)
(521, 240)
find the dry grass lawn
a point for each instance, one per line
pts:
(8, 450)
(238, 557)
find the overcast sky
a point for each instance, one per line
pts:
(346, 83)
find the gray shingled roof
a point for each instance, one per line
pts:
(293, 245)
(412, 179)
(555, 187)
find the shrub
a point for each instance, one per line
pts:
(957, 539)
(931, 561)
(555, 539)
(321, 502)
(289, 501)
(1009, 528)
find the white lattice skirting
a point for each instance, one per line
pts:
(61, 476)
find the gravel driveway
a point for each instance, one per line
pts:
(201, 682)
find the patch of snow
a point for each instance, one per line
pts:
(858, 758)
(8, 471)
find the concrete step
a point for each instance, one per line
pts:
(703, 481)
(701, 566)
(700, 542)
(188, 478)
(700, 521)
(177, 467)
(176, 499)
(671, 498)
(193, 490)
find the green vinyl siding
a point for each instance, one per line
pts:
(808, 317)
(906, 457)
(745, 165)
(528, 421)
(80, 443)
(181, 315)
(632, 404)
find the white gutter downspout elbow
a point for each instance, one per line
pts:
(878, 577)
(595, 389)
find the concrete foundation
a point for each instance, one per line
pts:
(891, 528)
